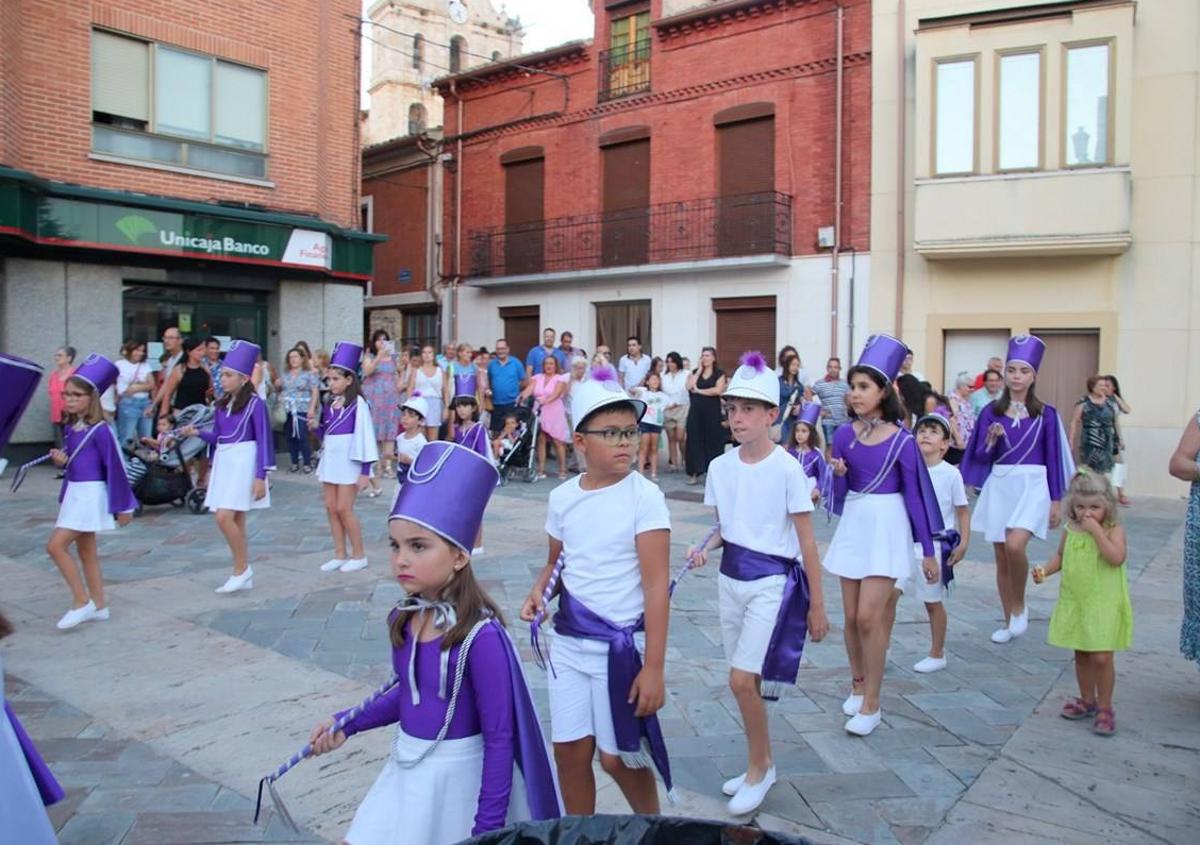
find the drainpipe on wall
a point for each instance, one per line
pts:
(837, 186)
(901, 134)
(458, 193)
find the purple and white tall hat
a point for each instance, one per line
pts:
(884, 354)
(810, 413)
(19, 379)
(97, 371)
(346, 356)
(241, 357)
(599, 391)
(753, 379)
(1026, 349)
(446, 472)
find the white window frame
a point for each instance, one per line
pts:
(1065, 140)
(997, 103)
(973, 59)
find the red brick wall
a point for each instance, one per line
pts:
(307, 47)
(786, 56)
(400, 202)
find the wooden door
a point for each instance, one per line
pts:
(625, 232)
(1071, 358)
(524, 224)
(521, 329)
(746, 184)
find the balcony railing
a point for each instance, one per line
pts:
(694, 230)
(625, 70)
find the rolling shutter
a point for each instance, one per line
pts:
(744, 323)
(524, 193)
(626, 231)
(120, 76)
(746, 184)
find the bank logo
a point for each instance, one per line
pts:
(133, 226)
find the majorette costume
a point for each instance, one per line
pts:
(348, 435)
(1026, 469)
(26, 785)
(240, 444)
(468, 756)
(886, 499)
(95, 487)
(466, 380)
(812, 461)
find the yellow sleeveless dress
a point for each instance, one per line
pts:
(1093, 611)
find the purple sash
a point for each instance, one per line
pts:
(781, 666)
(47, 786)
(575, 619)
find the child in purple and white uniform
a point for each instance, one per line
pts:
(349, 449)
(806, 448)
(1018, 455)
(242, 450)
(886, 501)
(95, 489)
(458, 673)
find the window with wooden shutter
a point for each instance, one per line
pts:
(521, 329)
(524, 192)
(744, 323)
(616, 322)
(746, 185)
(625, 235)
(120, 77)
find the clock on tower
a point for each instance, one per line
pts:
(458, 11)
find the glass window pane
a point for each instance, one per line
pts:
(955, 129)
(1087, 105)
(136, 145)
(182, 93)
(241, 106)
(226, 161)
(1020, 111)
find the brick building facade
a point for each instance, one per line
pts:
(675, 178)
(189, 164)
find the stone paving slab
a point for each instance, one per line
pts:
(156, 699)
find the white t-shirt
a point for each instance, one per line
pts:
(130, 373)
(598, 530)
(951, 494)
(675, 386)
(656, 405)
(633, 373)
(755, 501)
(410, 446)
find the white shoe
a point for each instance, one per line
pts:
(332, 564)
(354, 564)
(863, 723)
(245, 581)
(100, 615)
(1001, 635)
(852, 705)
(930, 664)
(751, 795)
(477, 551)
(731, 786)
(76, 615)
(1018, 624)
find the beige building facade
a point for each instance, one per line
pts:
(416, 41)
(1035, 167)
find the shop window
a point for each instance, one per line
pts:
(418, 51)
(1088, 106)
(416, 119)
(1019, 112)
(161, 104)
(954, 116)
(458, 49)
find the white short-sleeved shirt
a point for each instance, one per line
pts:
(598, 530)
(951, 493)
(409, 446)
(656, 405)
(633, 373)
(755, 501)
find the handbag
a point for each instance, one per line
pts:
(776, 431)
(279, 415)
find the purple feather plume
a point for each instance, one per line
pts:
(604, 373)
(755, 360)
(414, 394)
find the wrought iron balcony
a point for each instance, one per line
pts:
(693, 230)
(625, 70)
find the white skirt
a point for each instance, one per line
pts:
(85, 507)
(336, 466)
(1014, 496)
(231, 479)
(873, 538)
(432, 803)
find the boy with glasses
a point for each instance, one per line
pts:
(613, 530)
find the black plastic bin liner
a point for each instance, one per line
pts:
(632, 830)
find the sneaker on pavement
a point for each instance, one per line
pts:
(332, 564)
(852, 705)
(354, 564)
(100, 615)
(864, 723)
(1001, 635)
(731, 786)
(930, 664)
(76, 615)
(234, 583)
(1019, 623)
(750, 796)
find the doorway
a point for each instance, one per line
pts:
(198, 312)
(1072, 357)
(968, 350)
(521, 329)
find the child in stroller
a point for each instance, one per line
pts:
(514, 446)
(157, 468)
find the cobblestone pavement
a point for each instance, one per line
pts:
(161, 721)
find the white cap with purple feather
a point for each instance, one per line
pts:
(600, 390)
(753, 379)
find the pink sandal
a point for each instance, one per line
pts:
(1077, 708)
(1105, 723)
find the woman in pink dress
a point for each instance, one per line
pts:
(64, 368)
(547, 389)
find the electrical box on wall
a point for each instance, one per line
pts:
(825, 237)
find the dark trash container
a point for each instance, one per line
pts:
(632, 830)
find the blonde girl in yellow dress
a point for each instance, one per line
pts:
(1093, 615)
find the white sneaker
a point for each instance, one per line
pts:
(731, 786)
(1018, 624)
(245, 581)
(354, 564)
(477, 551)
(930, 664)
(751, 795)
(100, 615)
(852, 705)
(76, 615)
(1001, 635)
(863, 723)
(332, 564)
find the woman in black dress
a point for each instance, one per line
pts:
(705, 434)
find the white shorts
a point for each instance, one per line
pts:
(579, 691)
(917, 587)
(748, 611)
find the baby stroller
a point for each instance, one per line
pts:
(167, 480)
(518, 459)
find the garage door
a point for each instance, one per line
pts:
(1072, 357)
(968, 350)
(744, 323)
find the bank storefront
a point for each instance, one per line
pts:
(91, 267)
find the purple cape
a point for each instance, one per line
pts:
(48, 787)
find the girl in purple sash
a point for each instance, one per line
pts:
(468, 755)
(886, 500)
(242, 450)
(806, 448)
(95, 489)
(1018, 456)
